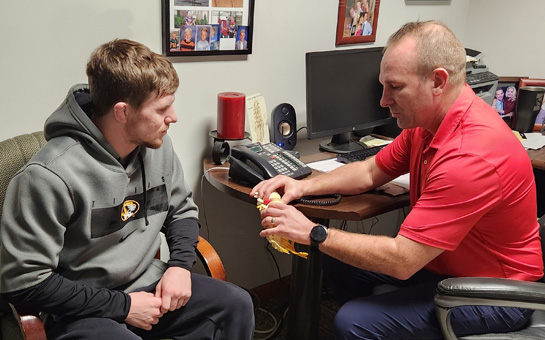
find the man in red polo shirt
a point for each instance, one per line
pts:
(473, 201)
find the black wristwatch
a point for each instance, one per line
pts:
(318, 234)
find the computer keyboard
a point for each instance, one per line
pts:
(359, 155)
(482, 77)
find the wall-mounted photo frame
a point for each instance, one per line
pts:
(207, 27)
(357, 21)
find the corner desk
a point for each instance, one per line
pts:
(306, 275)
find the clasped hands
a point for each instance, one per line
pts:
(282, 219)
(172, 292)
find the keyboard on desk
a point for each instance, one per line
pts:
(359, 155)
(482, 77)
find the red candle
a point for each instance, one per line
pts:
(231, 109)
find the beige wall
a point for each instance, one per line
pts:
(45, 46)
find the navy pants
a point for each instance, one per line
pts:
(407, 312)
(216, 310)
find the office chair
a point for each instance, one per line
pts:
(18, 324)
(460, 291)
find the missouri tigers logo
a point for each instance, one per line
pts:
(130, 208)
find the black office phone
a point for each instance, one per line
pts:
(253, 163)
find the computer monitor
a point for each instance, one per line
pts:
(343, 96)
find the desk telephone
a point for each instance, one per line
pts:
(256, 162)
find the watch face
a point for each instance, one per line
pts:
(318, 233)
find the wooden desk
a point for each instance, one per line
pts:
(305, 290)
(538, 158)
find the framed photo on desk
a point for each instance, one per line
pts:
(505, 99)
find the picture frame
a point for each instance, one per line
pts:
(505, 84)
(207, 27)
(357, 21)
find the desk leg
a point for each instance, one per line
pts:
(305, 296)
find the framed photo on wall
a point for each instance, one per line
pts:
(207, 27)
(357, 21)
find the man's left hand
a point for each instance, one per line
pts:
(174, 288)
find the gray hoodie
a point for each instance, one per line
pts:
(78, 228)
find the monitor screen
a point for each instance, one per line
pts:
(343, 96)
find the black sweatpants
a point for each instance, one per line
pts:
(217, 310)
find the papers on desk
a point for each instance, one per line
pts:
(326, 165)
(533, 140)
(396, 187)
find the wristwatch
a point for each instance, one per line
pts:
(318, 234)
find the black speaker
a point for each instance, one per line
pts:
(528, 105)
(284, 127)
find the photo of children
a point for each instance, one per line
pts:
(228, 22)
(204, 42)
(214, 37)
(174, 40)
(188, 42)
(232, 27)
(242, 42)
(190, 18)
(208, 26)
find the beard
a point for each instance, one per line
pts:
(155, 144)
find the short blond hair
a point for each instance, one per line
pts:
(436, 46)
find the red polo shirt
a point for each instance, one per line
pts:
(472, 193)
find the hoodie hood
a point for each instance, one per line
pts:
(73, 119)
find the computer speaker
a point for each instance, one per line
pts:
(529, 103)
(284, 126)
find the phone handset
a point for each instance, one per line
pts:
(250, 167)
(256, 162)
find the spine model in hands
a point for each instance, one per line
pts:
(281, 244)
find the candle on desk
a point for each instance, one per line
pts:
(231, 109)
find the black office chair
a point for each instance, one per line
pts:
(24, 324)
(455, 292)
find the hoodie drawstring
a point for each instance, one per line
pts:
(144, 188)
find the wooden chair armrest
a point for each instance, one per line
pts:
(211, 260)
(30, 324)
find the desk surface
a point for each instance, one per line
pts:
(351, 208)
(538, 158)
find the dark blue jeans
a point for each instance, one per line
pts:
(407, 312)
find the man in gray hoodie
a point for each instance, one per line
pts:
(82, 220)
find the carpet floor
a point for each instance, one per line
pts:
(271, 317)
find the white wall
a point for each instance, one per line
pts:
(46, 44)
(510, 34)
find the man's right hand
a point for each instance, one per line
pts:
(290, 188)
(145, 310)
